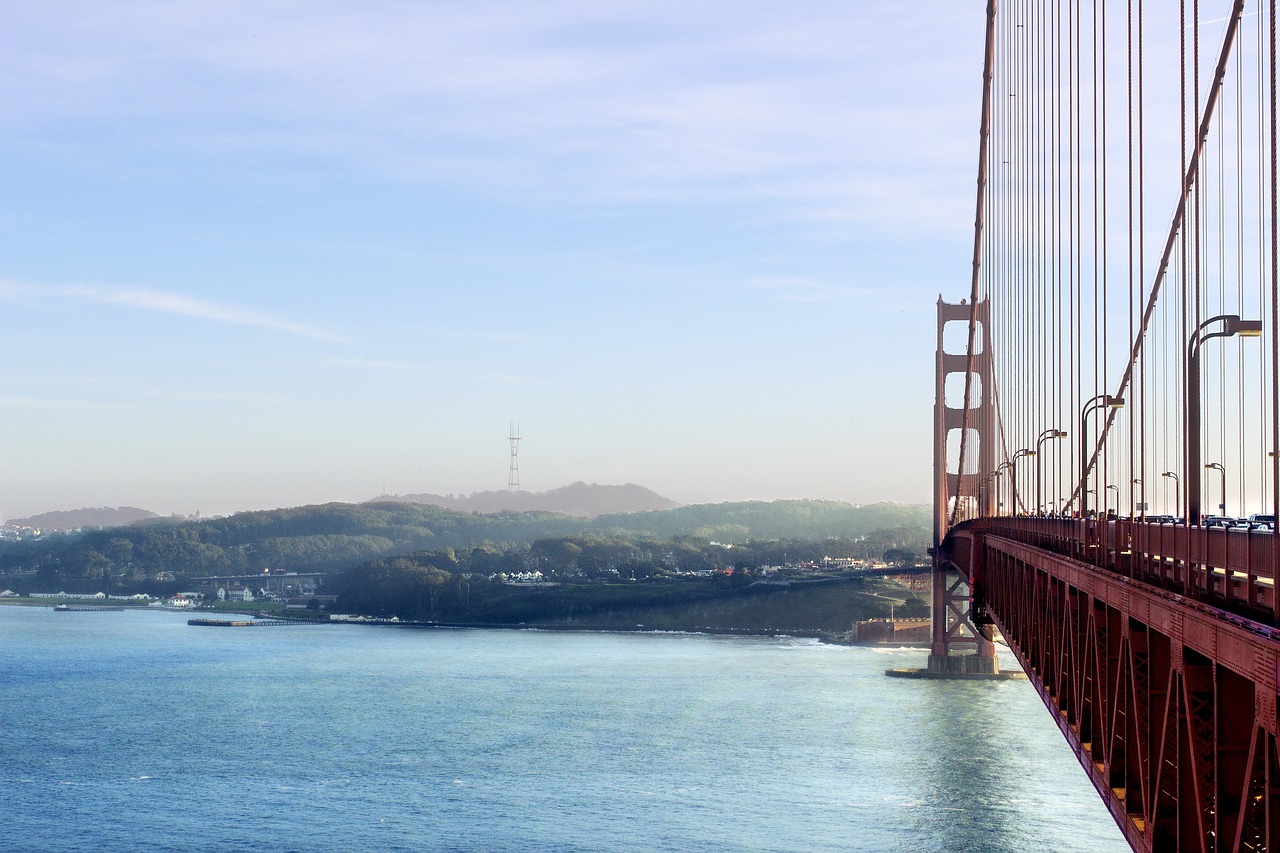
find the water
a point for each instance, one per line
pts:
(121, 731)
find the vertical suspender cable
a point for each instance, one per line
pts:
(983, 133)
(1188, 184)
(1275, 301)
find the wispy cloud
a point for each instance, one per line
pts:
(627, 101)
(822, 291)
(804, 290)
(386, 364)
(494, 337)
(163, 303)
(412, 367)
(43, 403)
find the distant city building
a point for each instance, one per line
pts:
(519, 577)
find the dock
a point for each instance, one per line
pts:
(248, 623)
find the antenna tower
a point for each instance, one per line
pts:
(513, 476)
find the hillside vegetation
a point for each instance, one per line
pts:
(71, 519)
(588, 500)
(334, 538)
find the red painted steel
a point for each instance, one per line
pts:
(1167, 699)
(957, 645)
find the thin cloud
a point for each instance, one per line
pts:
(164, 303)
(384, 364)
(820, 292)
(625, 101)
(805, 290)
(42, 403)
(411, 367)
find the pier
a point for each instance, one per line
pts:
(248, 623)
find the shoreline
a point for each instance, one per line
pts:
(801, 634)
(826, 637)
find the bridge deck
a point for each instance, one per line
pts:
(1168, 700)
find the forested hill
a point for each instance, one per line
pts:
(71, 519)
(322, 538)
(794, 519)
(335, 537)
(589, 500)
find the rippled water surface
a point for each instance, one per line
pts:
(122, 731)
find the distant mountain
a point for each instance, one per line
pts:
(578, 499)
(753, 520)
(72, 519)
(338, 537)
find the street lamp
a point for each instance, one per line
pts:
(995, 475)
(992, 485)
(1013, 468)
(1096, 403)
(1044, 436)
(1231, 325)
(1218, 466)
(1117, 490)
(1177, 488)
(1142, 513)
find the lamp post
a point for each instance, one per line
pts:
(1117, 490)
(1013, 469)
(1142, 513)
(1000, 469)
(993, 488)
(1177, 488)
(1044, 436)
(1096, 403)
(1218, 466)
(1231, 325)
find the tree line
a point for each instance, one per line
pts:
(335, 538)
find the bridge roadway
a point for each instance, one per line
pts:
(1155, 648)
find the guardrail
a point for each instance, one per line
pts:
(1231, 568)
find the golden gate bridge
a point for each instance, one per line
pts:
(1114, 371)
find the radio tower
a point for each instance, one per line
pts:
(513, 476)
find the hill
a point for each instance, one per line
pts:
(336, 537)
(581, 499)
(792, 519)
(74, 519)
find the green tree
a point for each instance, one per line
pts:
(901, 557)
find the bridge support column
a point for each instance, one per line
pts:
(961, 646)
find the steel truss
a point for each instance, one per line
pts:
(1169, 704)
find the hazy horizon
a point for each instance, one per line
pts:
(396, 496)
(258, 255)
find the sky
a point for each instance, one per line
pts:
(274, 253)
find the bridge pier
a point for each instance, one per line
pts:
(961, 645)
(962, 666)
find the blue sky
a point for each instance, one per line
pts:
(274, 253)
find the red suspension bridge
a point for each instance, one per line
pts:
(1108, 405)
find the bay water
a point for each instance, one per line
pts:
(131, 730)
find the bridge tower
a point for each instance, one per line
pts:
(965, 438)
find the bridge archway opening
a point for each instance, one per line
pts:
(953, 392)
(955, 338)
(971, 451)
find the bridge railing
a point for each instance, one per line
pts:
(1230, 568)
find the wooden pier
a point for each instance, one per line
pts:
(248, 623)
